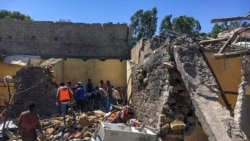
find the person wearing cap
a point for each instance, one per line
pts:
(28, 122)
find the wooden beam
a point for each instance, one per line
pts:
(227, 43)
(229, 19)
(232, 37)
(230, 54)
(212, 41)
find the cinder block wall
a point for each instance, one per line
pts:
(62, 39)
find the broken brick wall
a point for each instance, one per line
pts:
(148, 81)
(160, 96)
(34, 83)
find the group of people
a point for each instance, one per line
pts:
(89, 98)
(99, 97)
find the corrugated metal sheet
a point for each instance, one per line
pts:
(22, 60)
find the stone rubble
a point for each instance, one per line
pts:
(79, 126)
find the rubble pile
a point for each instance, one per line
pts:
(81, 127)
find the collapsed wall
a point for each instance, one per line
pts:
(241, 111)
(34, 83)
(160, 97)
(200, 82)
(173, 85)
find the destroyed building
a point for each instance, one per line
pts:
(179, 87)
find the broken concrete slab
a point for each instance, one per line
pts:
(198, 78)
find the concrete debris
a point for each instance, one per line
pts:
(169, 65)
(84, 126)
(121, 132)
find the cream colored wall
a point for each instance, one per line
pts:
(228, 73)
(58, 72)
(78, 70)
(7, 69)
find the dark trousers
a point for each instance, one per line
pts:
(80, 105)
(97, 104)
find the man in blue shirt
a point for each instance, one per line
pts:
(81, 98)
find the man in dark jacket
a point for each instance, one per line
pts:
(97, 93)
(89, 86)
(81, 98)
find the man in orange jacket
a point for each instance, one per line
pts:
(64, 96)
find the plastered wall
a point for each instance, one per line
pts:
(228, 73)
(78, 70)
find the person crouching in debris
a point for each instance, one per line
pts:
(64, 96)
(28, 122)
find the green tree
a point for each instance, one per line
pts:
(203, 35)
(166, 25)
(4, 14)
(187, 25)
(181, 24)
(217, 28)
(143, 24)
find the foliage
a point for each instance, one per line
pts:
(216, 30)
(166, 25)
(187, 25)
(4, 14)
(203, 35)
(181, 24)
(143, 24)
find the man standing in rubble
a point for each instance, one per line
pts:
(110, 98)
(81, 98)
(28, 122)
(97, 93)
(116, 96)
(64, 96)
